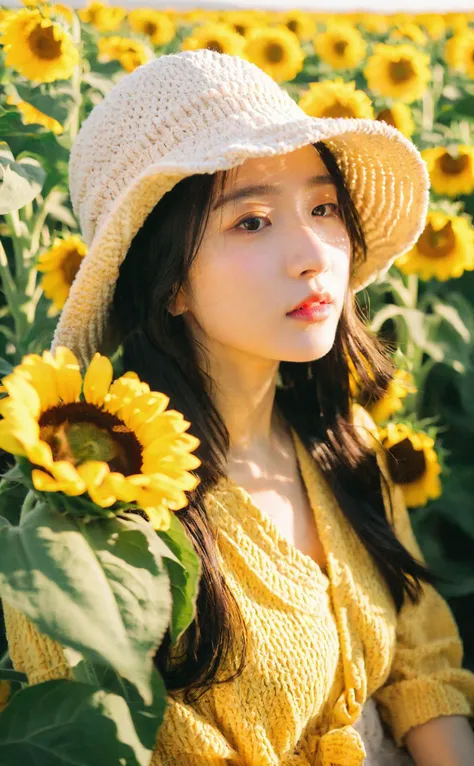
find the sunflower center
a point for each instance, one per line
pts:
(240, 29)
(292, 25)
(214, 45)
(406, 464)
(274, 53)
(340, 47)
(43, 44)
(402, 70)
(387, 116)
(150, 28)
(70, 266)
(78, 432)
(338, 110)
(453, 166)
(437, 244)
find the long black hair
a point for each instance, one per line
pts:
(158, 347)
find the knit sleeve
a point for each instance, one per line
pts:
(426, 679)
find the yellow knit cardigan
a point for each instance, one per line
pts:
(318, 644)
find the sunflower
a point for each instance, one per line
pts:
(450, 175)
(458, 22)
(412, 462)
(433, 23)
(115, 441)
(32, 116)
(276, 50)
(38, 48)
(242, 21)
(400, 116)
(103, 17)
(128, 52)
(411, 31)
(376, 23)
(302, 24)
(459, 52)
(398, 71)
(336, 98)
(156, 25)
(341, 46)
(60, 265)
(444, 250)
(215, 36)
(391, 402)
(53, 9)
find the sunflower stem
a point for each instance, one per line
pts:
(76, 79)
(18, 242)
(11, 294)
(28, 505)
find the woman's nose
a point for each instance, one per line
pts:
(308, 253)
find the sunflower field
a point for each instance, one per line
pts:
(415, 72)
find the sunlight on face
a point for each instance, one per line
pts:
(265, 251)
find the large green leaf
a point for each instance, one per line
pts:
(184, 577)
(65, 723)
(20, 182)
(100, 588)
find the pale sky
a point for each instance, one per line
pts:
(409, 6)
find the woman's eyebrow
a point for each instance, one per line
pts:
(268, 189)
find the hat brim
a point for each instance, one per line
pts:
(383, 170)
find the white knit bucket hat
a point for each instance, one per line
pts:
(200, 112)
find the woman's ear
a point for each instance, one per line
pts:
(178, 305)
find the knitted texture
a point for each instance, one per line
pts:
(319, 646)
(200, 112)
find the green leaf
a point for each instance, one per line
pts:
(65, 723)
(57, 105)
(20, 182)
(5, 368)
(99, 588)
(184, 577)
(146, 718)
(7, 674)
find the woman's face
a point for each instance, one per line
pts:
(278, 237)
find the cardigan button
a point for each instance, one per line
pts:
(341, 747)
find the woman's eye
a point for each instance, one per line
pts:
(252, 221)
(335, 207)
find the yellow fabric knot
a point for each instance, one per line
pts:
(341, 747)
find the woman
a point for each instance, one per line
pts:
(228, 235)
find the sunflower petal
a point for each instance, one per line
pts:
(97, 379)
(20, 390)
(68, 373)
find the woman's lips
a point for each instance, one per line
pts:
(312, 312)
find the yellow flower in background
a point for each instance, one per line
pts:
(412, 462)
(398, 71)
(376, 23)
(215, 36)
(411, 31)
(458, 22)
(128, 52)
(276, 50)
(59, 266)
(115, 441)
(444, 250)
(336, 98)
(103, 17)
(450, 175)
(341, 46)
(157, 26)
(433, 23)
(459, 52)
(302, 24)
(38, 48)
(241, 21)
(32, 116)
(399, 116)
(391, 402)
